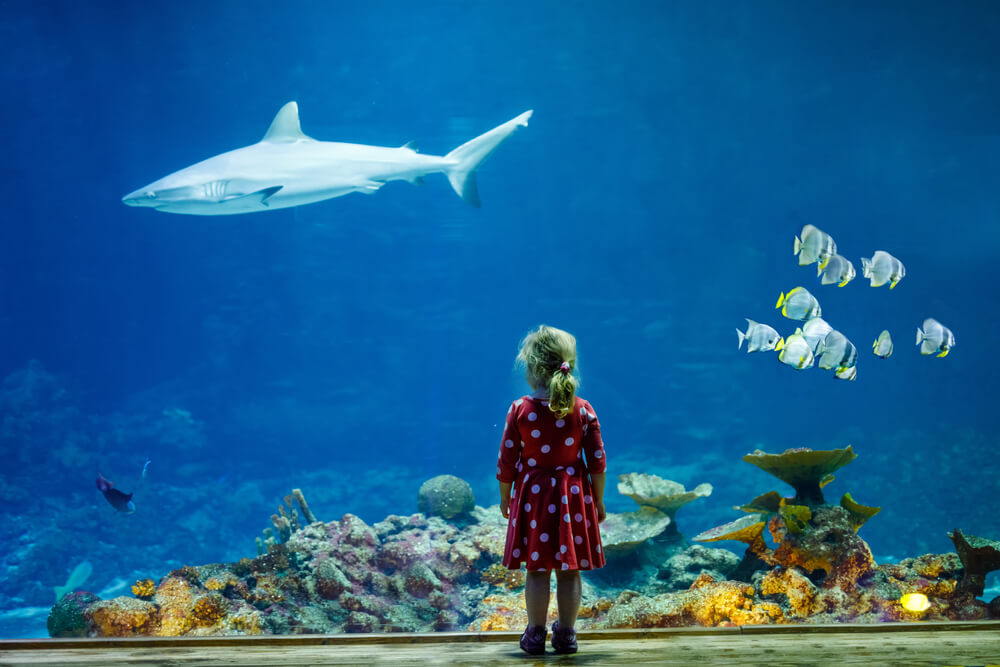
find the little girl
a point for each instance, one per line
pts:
(557, 499)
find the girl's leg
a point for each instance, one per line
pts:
(568, 591)
(536, 597)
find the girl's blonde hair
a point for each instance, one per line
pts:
(549, 358)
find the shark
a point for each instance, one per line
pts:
(288, 168)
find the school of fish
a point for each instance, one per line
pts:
(816, 342)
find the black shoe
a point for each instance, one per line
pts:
(563, 640)
(533, 640)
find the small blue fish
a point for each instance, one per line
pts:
(145, 467)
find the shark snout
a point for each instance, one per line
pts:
(140, 198)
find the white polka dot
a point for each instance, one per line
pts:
(579, 454)
(576, 517)
(578, 539)
(583, 411)
(532, 416)
(565, 500)
(525, 480)
(562, 548)
(515, 553)
(534, 524)
(534, 555)
(553, 480)
(541, 569)
(524, 540)
(587, 499)
(585, 429)
(588, 523)
(565, 566)
(558, 556)
(522, 443)
(591, 416)
(498, 470)
(552, 509)
(521, 400)
(513, 521)
(527, 507)
(569, 441)
(508, 444)
(574, 489)
(584, 563)
(519, 466)
(598, 548)
(566, 517)
(531, 462)
(560, 423)
(513, 493)
(535, 433)
(560, 467)
(544, 537)
(545, 449)
(572, 471)
(599, 454)
(535, 488)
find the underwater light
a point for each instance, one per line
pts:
(915, 602)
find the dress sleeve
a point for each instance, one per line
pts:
(510, 449)
(593, 446)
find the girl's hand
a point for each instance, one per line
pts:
(601, 514)
(505, 506)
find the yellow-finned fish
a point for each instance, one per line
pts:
(796, 351)
(838, 352)
(838, 269)
(882, 268)
(798, 304)
(935, 338)
(814, 245)
(883, 345)
(915, 602)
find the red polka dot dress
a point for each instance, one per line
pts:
(552, 521)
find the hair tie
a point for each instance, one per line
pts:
(564, 368)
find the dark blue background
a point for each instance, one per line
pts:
(675, 150)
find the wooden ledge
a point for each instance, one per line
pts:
(931, 643)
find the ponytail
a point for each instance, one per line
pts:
(562, 390)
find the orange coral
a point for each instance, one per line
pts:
(800, 592)
(124, 617)
(144, 589)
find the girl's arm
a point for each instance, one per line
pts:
(504, 498)
(597, 484)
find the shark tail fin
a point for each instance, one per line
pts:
(468, 157)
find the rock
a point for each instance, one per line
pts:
(445, 496)
(682, 569)
(67, 617)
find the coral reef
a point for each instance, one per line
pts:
(425, 573)
(445, 496)
(806, 470)
(663, 494)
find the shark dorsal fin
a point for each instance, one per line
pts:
(285, 127)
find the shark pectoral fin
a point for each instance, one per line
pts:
(369, 187)
(263, 195)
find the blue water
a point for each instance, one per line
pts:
(358, 346)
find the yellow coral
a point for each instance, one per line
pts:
(220, 582)
(124, 617)
(210, 609)
(498, 575)
(144, 588)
